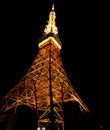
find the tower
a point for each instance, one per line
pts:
(45, 87)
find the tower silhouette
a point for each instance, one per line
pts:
(45, 87)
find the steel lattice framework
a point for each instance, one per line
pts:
(45, 87)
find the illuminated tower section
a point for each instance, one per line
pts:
(45, 87)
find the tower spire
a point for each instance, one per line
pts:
(51, 26)
(53, 7)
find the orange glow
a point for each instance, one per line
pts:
(45, 87)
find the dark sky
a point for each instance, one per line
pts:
(85, 53)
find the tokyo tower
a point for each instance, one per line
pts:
(45, 87)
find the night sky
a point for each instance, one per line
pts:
(82, 30)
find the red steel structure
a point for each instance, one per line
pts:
(45, 87)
